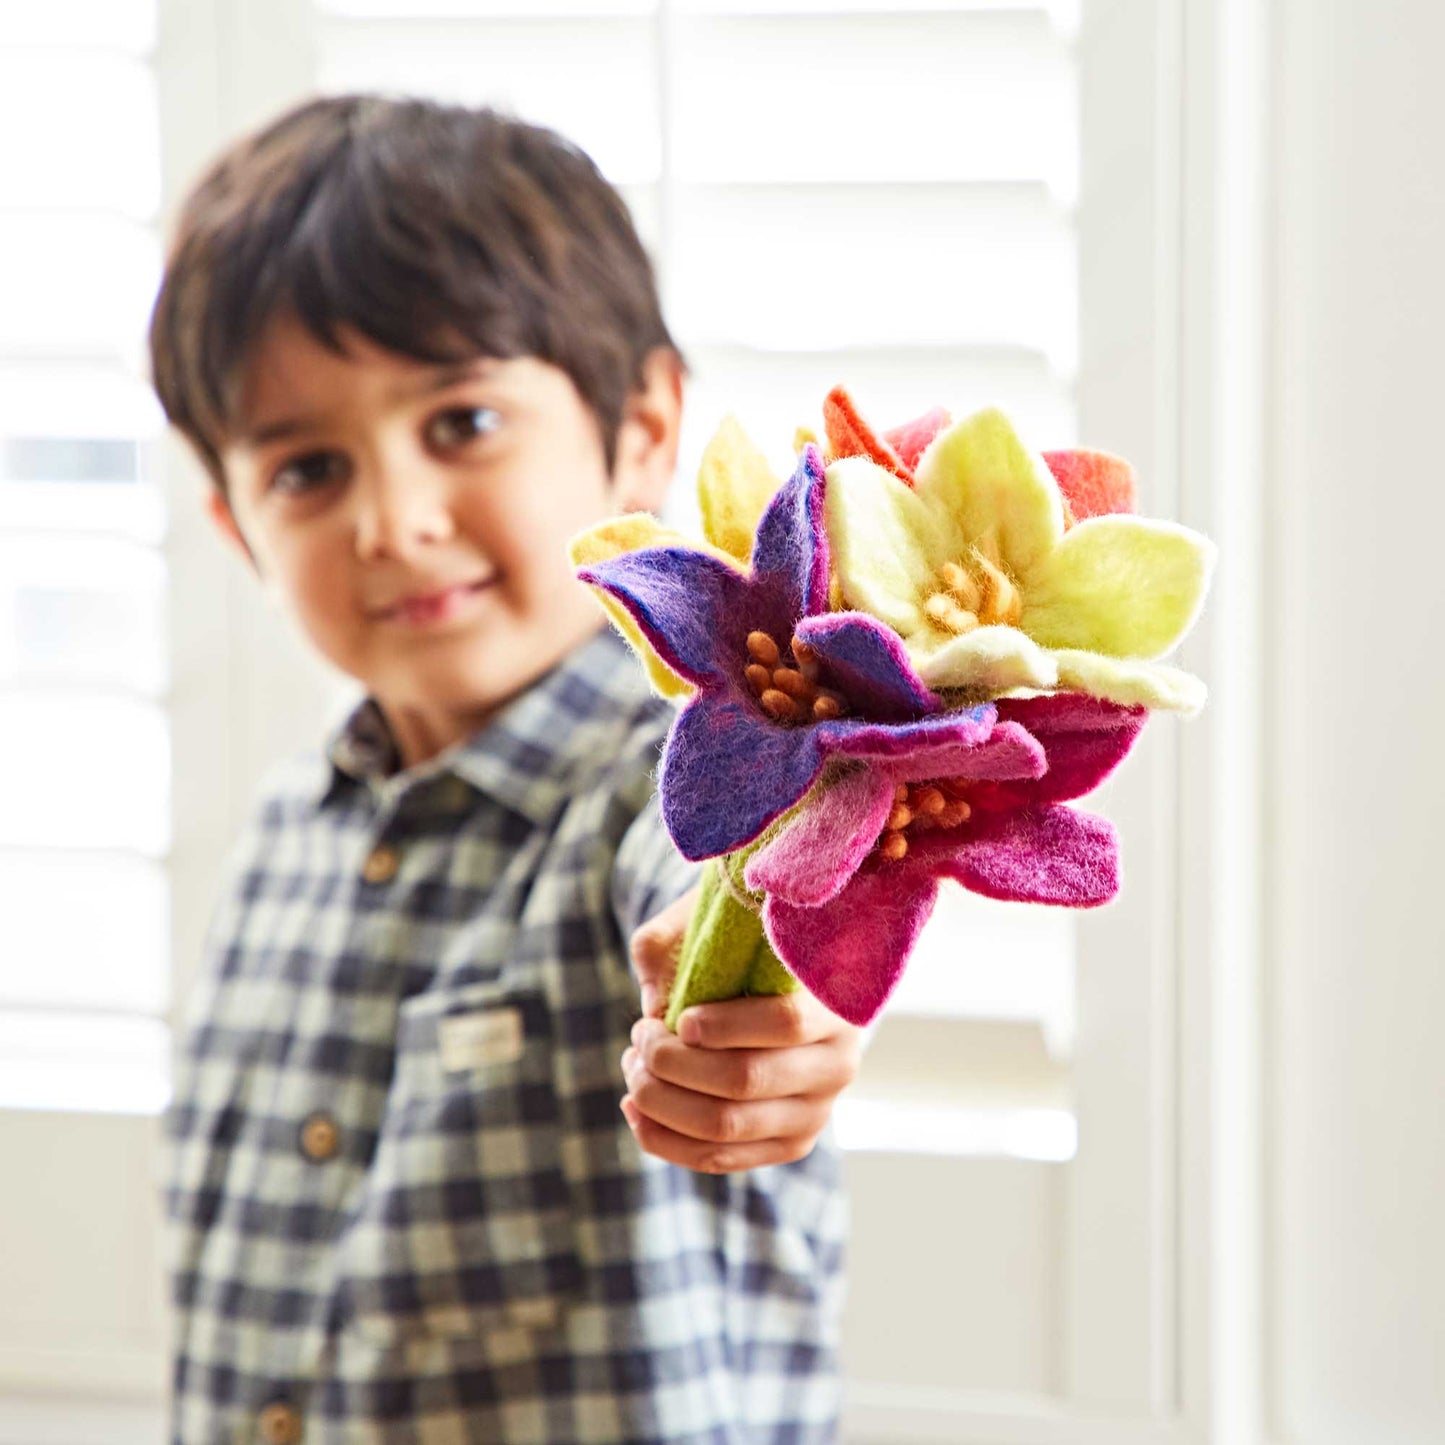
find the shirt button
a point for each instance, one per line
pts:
(320, 1138)
(381, 865)
(280, 1424)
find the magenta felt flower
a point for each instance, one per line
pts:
(782, 685)
(852, 876)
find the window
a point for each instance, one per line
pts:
(777, 154)
(84, 830)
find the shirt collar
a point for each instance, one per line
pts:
(531, 754)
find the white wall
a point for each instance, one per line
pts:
(1354, 791)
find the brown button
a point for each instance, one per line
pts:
(381, 865)
(320, 1137)
(280, 1424)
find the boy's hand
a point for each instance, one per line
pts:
(744, 1082)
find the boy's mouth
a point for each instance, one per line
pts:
(418, 609)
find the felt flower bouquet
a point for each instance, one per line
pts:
(898, 666)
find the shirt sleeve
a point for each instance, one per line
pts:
(649, 873)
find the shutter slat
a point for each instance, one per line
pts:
(67, 160)
(830, 267)
(87, 1063)
(105, 915)
(592, 79)
(96, 773)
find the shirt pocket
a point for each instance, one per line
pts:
(465, 1220)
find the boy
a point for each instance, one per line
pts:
(417, 348)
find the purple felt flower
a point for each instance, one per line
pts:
(852, 877)
(782, 685)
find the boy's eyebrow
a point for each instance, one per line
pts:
(440, 379)
(449, 375)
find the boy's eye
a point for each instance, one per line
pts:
(460, 424)
(309, 472)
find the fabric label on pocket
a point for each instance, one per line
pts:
(476, 1040)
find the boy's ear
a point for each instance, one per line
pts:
(224, 521)
(646, 452)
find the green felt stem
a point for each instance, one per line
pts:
(725, 953)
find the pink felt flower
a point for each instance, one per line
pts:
(852, 877)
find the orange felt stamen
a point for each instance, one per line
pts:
(807, 660)
(930, 802)
(763, 649)
(758, 676)
(780, 706)
(893, 847)
(792, 682)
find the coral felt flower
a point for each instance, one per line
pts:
(851, 877)
(1093, 482)
(781, 685)
(849, 435)
(973, 567)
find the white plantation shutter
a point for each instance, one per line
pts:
(884, 196)
(85, 732)
(85, 769)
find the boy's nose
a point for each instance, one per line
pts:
(400, 509)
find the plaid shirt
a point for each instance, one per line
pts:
(405, 1207)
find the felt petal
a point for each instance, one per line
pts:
(612, 538)
(1141, 684)
(897, 742)
(886, 545)
(913, 438)
(694, 610)
(1094, 483)
(1123, 586)
(983, 481)
(1083, 739)
(1010, 752)
(728, 771)
(988, 659)
(1047, 855)
(850, 436)
(734, 486)
(850, 952)
(868, 662)
(818, 849)
(790, 551)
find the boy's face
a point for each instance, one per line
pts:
(416, 517)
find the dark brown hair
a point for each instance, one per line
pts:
(438, 232)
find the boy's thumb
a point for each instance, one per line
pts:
(655, 948)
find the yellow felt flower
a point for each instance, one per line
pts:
(734, 485)
(974, 569)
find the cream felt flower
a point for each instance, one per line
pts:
(974, 568)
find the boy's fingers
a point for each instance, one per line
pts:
(654, 948)
(760, 1073)
(723, 1121)
(759, 1023)
(708, 1158)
